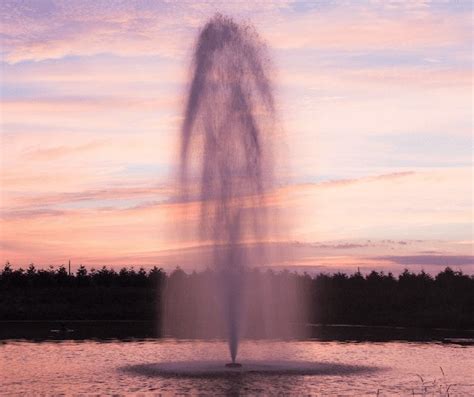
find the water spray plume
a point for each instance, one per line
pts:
(227, 166)
(230, 103)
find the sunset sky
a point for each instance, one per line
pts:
(375, 100)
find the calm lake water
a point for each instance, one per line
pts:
(165, 366)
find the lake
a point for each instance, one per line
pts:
(66, 364)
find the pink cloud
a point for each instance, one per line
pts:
(61, 151)
(86, 104)
(394, 203)
(433, 260)
(111, 193)
(359, 28)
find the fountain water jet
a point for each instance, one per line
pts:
(227, 167)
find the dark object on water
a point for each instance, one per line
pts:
(233, 365)
(62, 329)
(460, 341)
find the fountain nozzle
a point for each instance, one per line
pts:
(233, 365)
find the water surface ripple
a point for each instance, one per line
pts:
(151, 367)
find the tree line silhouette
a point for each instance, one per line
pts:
(445, 300)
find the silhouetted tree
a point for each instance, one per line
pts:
(446, 300)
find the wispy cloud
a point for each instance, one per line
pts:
(61, 151)
(38, 31)
(432, 260)
(358, 27)
(98, 195)
(383, 206)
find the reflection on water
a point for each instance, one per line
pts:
(298, 367)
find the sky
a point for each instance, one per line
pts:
(374, 98)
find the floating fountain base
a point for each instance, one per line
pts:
(199, 369)
(233, 365)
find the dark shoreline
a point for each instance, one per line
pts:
(129, 330)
